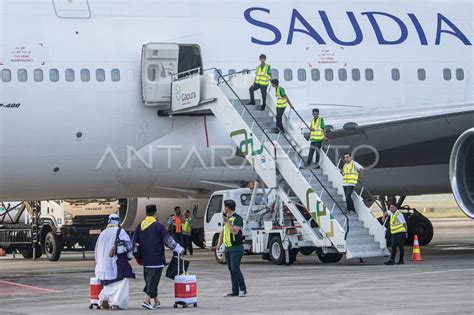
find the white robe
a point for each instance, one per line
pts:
(106, 266)
(106, 269)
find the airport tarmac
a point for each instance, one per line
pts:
(443, 282)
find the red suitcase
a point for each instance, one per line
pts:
(185, 288)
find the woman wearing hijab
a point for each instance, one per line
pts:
(112, 266)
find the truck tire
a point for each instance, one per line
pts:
(220, 257)
(277, 253)
(198, 238)
(329, 257)
(422, 227)
(306, 250)
(52, 246)
(27, 252)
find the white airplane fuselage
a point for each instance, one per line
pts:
(57, 133)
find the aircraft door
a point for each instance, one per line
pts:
(159, 63)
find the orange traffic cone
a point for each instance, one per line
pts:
(2, 252)
(416, 250)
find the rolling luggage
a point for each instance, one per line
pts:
(185, 287)
(95, 288)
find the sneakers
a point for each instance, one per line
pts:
(232, 294)
(148, 306)
(390, 262)
(243, 293)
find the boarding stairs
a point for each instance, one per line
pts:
(276, 159)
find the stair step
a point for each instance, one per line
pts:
(363, 247)
(360, 240)
(366, 254)
(355, 232)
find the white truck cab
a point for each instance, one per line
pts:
(268, 229)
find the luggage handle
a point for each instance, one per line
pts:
(179, 264)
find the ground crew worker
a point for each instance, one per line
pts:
(282, 102)
(317, 136)
(262, 80)
(350, 172)
(398, 229)
(186, 231)
(174, 224)
(231, 237)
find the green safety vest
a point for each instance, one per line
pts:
(186, 226)
(350, 174)
(262, 77)
(395, 225)
(281, 101)
(231, 239)
(318, 133)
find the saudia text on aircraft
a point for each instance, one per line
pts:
(259, 17)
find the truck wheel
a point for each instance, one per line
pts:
(27, 252)
(329, 257)
(422, 227)
(220, 257)
(198, 238)
(52, 246)
(306, 250)
(277, 253)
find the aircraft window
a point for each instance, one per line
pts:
(22, 75)
(342, 73)
(369, 74)
(288, 74)
(315, 75)
(100, 75)
(447, 74)
(54, 75)
(355, 74)
(38, 75)
(70, 75)
(6, 75)
(459, 74)
(329, 74)
(115, 75)
(395, 74)
(301, 74)
(85, 75)
(215, 207)
(275, 74)
(421, 74)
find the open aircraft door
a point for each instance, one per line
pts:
(159, 63)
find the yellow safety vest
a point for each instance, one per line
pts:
(350, 174)
(318, 133)
(262, 77)
(281, 101)
(186, 226)
(395, 225)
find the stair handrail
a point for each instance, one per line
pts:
(319, 181)
(246, 109)
(321, 152)
(271, 141)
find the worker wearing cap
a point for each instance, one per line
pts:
(350, 177)
(282, 102)
(262, 80)
(317, 136)
(398, 229)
